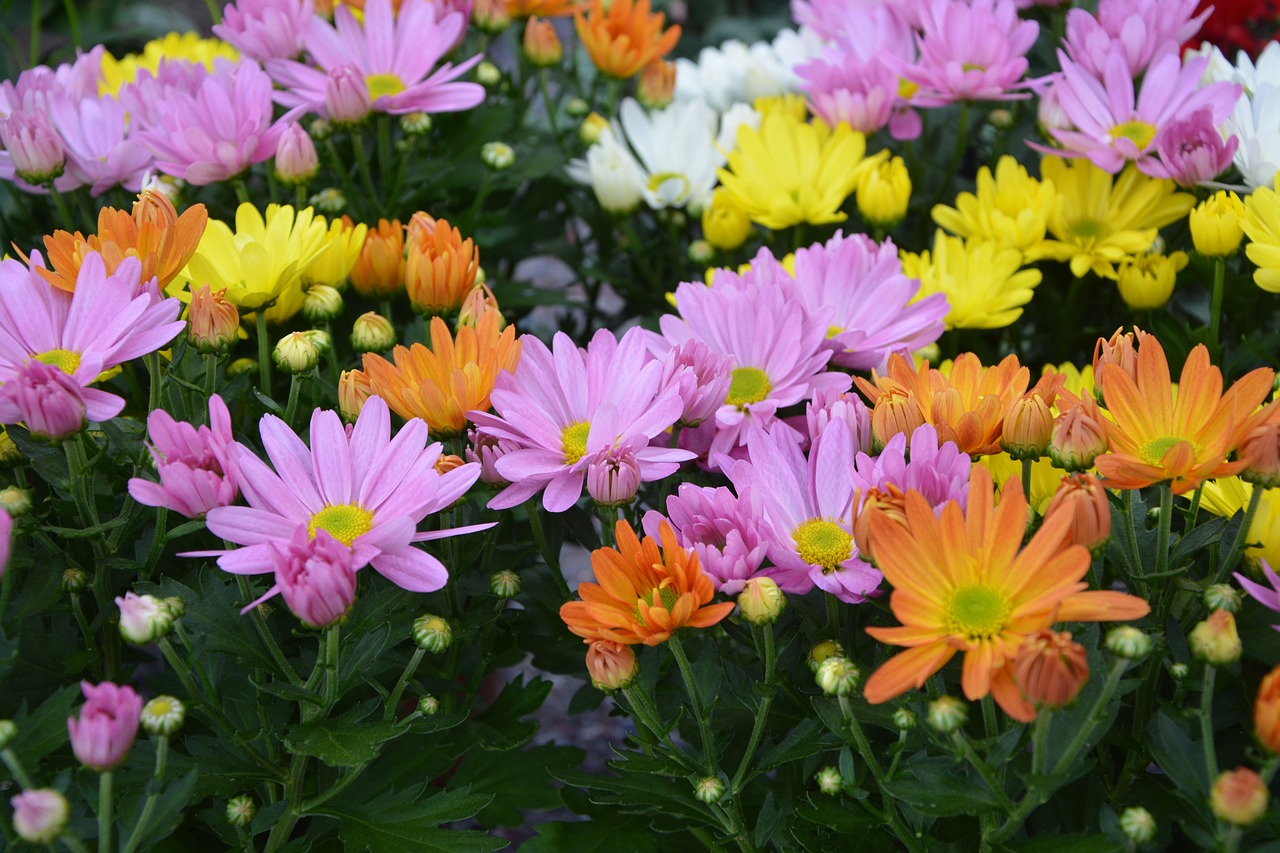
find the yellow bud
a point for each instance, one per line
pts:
(1215, 640)
(725, 225)
(884, 192)
(1215, 224)
(1146, 281)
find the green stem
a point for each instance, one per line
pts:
(362, 165)
(762, 713)
(384, 151)
(1026, 479)
(214, 11)
(64, 212)
(1131, 540)
(78, 609)
(157, 543)
(105, 811)
(268, 639)
(695, 701)
(405, 677)
(291, 408)
(833, 616)
(81, 480)
(210, 374)
(1242, 535)
(1163, 529)
(162, 756)
(905, 835)
(984, 770)
(73, 844)
(37, 14)
(264, 352)
(292, 793)
(152, 360)
(242, 190)
(1215, 309)
(551, 109)
(608, 520)
(1206, 720)
(1040, 742)
(332, 634)
(10, 759)
(646, 714)
(534, 510)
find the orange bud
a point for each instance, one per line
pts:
(1078, 437)
(895, 412)
(441, 269)
(213, 322)
(448, 462)
(1239, 797)
(491, 16)
(612, 666)
(889, 503)
(1216, 640)
(380, 269)
(1027, 428)
(625, 37)
(479, 301)
(1084, 496)
(657, 86)
(1266, 712)
(353, 390)
(542, 46)
(1119, 351)
(1260, 451)
(1051, 669)
(420, 223)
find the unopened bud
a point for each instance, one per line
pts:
(614, 480)
(1239, 797)
(10, 455)
(1215, 640)
(1221, 596)
(214, 323)
(428, 706)
(432, 633)
(905, 719)
(498, 156)
(488, 75)
(505, 584)
(320, 129)
(1128, 642)
(709, 790)
(830, 782)
(74, 581)
(322, 303)
(330, 201)
(542, 46)
(1027, 428)
(40, 815)
(701, 252)
(947, 714)
(176, 606)
(823, 650)
(838, 676)
(761, 601)
(241, 365)
(163, 715)
(612, 666)
(1138, 825)
(415, 124)
(296, 353)
(296, 160)
(240, 810)
(143, 618)
(353, 390)
(15, 501)
(591, 128)
(372, 332)
(577, 108)
(1179, 671)
(8, 731)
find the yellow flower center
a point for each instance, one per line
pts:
(823, 543)
(63, 359)
(972, 66)
(671, 186)
(907, 88)
(832, 331)
(160, 707)
(343, 522)
(748, 385)
(663, 596)
(573, 439)
(1138, 132)
(383, 84)
(978, 612)
(1153, 451)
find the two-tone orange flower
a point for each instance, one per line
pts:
(542, 8)
(642, 594)
(443, 383)
(153, 233)
(1155, 438)
(622, 39)
(440, 269)
(379, 271)
(961, 585)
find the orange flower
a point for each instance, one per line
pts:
(1051, 669)
(153, 233)
(1085, 499)
(542, 46)
(441, 268)
(379, 271)
(624, 39)
(544, 8)
(644, 595)
(960, 584)
(1155, 439)
(657, 87)
(213, 322)
(967, 407)
(441, 384)
(1266, 712)
(353, 391)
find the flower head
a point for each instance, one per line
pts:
(1138, 31)
(440, 268)
(612, 666)
(40, 815)
(1259, 224)
(379, 268)
(1051, 669)
(101, 151)
(622, 39)
(266, 29)
(1217, 224)
(1009, 208)
(194, 463)
(721, 530)
(315, 577)
(342, 246)
(107, 725)
(970, 52)
(983, 282)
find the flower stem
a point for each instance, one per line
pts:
(405, 677)
(704, 725)
(1040, 742)
(242, 190)
(64, 212)
(905, 835)
(11, 761)
(1206, 720)
(162, 757)
(762, 713)
(1242, 535)
(152, 360)
(984, 770)
(215, 12)
(608, 519)
(1162, 532)
(540, 541)
(1026, 479)
(210, 374)
(268, 639)
(1215, 307)
(1134, 558)
(362, 164)
(291, 408)
(264, 353)
(332, 634)
(105, 809)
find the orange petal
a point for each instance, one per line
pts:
(906, 670)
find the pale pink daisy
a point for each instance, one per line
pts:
(1191, 151)
(1140, 30)
(938, 472)
(193, 463)
(396, 54)
(101, 152)
(971, 52)
(369, 490)
(565, 408)
(51, 404)
(862, 93)
(147, 98)
(830, 18)
(721, 529)
(266, 29)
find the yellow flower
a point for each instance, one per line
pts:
(341, 250)
(1216, 224)
(789, 172)
(184, 47)
(1228, 495)
(981, 279)
(790, 105)
(1096, 223)
(1045, 478)
(725, 225)
(1012, 208)
(884, 193)
(1261, 210)
(260, 264)
(1146, 281)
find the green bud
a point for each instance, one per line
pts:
(505, 584)
(432, 633)
(830, 782)
(709, 790)
(428, 706)
(1128, 642)
(240, 810)
(947, 714)
(163, 715)
(1138, 825)
(8, 731)
(838, 676)
(904, 719)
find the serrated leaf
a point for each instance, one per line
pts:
(1201, 536)
(348, 740)
(802, 741)
(410, 820)
(593, 836)
(518, 781)
(44, 729)
(1179, 757)
(500, 726)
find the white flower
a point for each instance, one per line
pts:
(612, 173)
(676, 148)
(1256, 121)
(737, 73)
(733, 118)
(1246, 72)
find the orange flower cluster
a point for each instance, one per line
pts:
(625, 38)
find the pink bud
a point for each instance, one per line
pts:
(614, 479)
(487, 451)
(346, 96)
(702, 378)
(831, 405)
(315, 577)
(107, 726)
(39, 816)
(46, 399)
(296, 159)
(34, 146)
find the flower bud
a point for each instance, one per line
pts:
(34, 146)
(1027, 428)
(905, 719)
(1118, 350)
(709, 790)
(320, 338)
(1179, 671)
(1239, 797)
(487, 450)
(505, 584)
(592, 127)
(240, 810)
(838, 676)
(143, 618)
(577, 108)
(1215, 224)
(615, 479)
(1138, 825)
(657, 86)
(10, 455)
(432, 633)
(1221, 596)
(316, 577)
(296, 160)
(947, 714)
(330, 200)
(701, 252)
(241, 365)
(830, 782)
(346, 96)
(353, 390)
(8, 731)
(725, 225)
(895, 412)
(1084, 496)
(761, 601)
(15, 501)
(1128, 642)
(820, 652)
(176, 606)
(415, 124)
(488, 75)
(322, 303)
(612, 666)
(491, 16)
(296, 353)
(1146, 280)
(74, 581)
(498, 156)
(1266, 712)
(1215, 640)
(163, 715)
(40, 815)
(106, 726)
(320, 129)
(428, 706)
(884, 192)
(441, 268)
(371, 332)
(542, 46)
(1260, 452)
(1050, 669)
(1078, 437)
(479, 301)
(379, 270)
(214, 323)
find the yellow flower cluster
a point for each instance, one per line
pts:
(184, 47)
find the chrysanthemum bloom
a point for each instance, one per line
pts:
(777, 349)
(194, 463)
(613, 173)
(50, 403)
(33, 150)
(173, 49)
(970, 52)
(440, 269)
(315, 577)
(442, 384)
(542, 8)
(643, 594)
(1146, 280)
(1096, 224)
(1216, 224)
(1266, 712)
(734, 73)
(622, 39)
(1086, 497)
(379, 269)
(107, 725)
(1261, 207)
(217, 133)
(1228, 496)
(368, 490)
(721, 530)
(1110, 129)
(1011, 208)
(791, 172)
(1156, 439)
(394, 53)
(342, 246)
(858, 288)
(967, 406)
(101, 152)
(1191, 151)
(1255, 121)
(260, 264)
(266, 29)
(1138, 30)
(983, 283)
(1051, 669)
(702, 377)
(153, 233)
(564, 407)
(862, 92)
(961, 584)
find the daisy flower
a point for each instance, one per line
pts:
(970, 52)
(1008, 207)
(1139, 30)
(983, 283)
(720, 527)
(101, 153)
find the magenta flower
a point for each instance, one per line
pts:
(194, 463)
(1111, 129)
(266, 29)
(33, 151)
(50, 403)
(1192, 151)
(970, 52)
(939, 473)
(314, 576)
(394, 53)
(614, 478)
(6, 539)
(722, 531)
(831, 18)
(107, 726)
(101, 152)
(1269, 598)
(1140, 30)
(217, 132)
(857, 286)
(827, 406)
(700, 375)
(368, 490)
(565, 408)
(864, 94)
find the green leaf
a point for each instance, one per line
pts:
(44, 729)
(672, 798)
(592, 836)
(1074, 843)
(410, 820)
(1179, 757)
(167, 813)
(1201, 536)
(500, 725)
(938, 786)
(802, 741)
(518, 781)
(347, 740)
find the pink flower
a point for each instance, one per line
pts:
(722, 531)
(194, 463)
(296, 160)
(614, 478)
(701, 377)
(315, 577)
(939, 473)
(346, 96)
(368, 490)
(1191, 151)
(970, 52)
(101, 152)
(486, 451)
(148, 97)
(217, 132)
(857, 286)
(1269, 598)
(831, 18)
(266, 29)
(107, 726)
(565, 408)
(6, 539)
(50, 403)
(393, 52)
(828, 406)
(36, 152)
(40, 815)
(862, 93)
(1140, 30)
(1112, 130)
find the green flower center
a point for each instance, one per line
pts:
(63, 359)
(671, 186)
(978, 612)
(747, 385)
(1153, 451)
(1138, 132)
(343, 522)
(823, 543)
(573, 439)
(383, 84)
(1087, 229)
